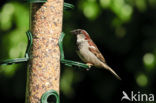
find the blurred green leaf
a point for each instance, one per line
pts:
(6, 16)
(122, 9)
(66, 82)
(152, 3)
(14, 41)
(90, 8)
(142, 80)
(149, 61)
(8, 70)
(21, 16)
(105, 3)
(141, 5)
(120, 32)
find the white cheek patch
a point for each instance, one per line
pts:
(80, 39)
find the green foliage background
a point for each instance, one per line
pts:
(124, 31)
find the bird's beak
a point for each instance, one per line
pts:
(74, 32)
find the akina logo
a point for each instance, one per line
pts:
(137, 96)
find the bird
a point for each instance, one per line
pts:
(88, 51)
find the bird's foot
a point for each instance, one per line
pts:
(89, 65)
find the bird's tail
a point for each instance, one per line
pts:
(111, 70)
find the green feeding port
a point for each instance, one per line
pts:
(50, 96)
(67, 6)
(20, 60)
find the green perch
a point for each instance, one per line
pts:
(68, 62)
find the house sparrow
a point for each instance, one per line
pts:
(88, 51)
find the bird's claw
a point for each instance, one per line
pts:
(89, 65)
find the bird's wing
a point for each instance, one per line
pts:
(96, 51)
